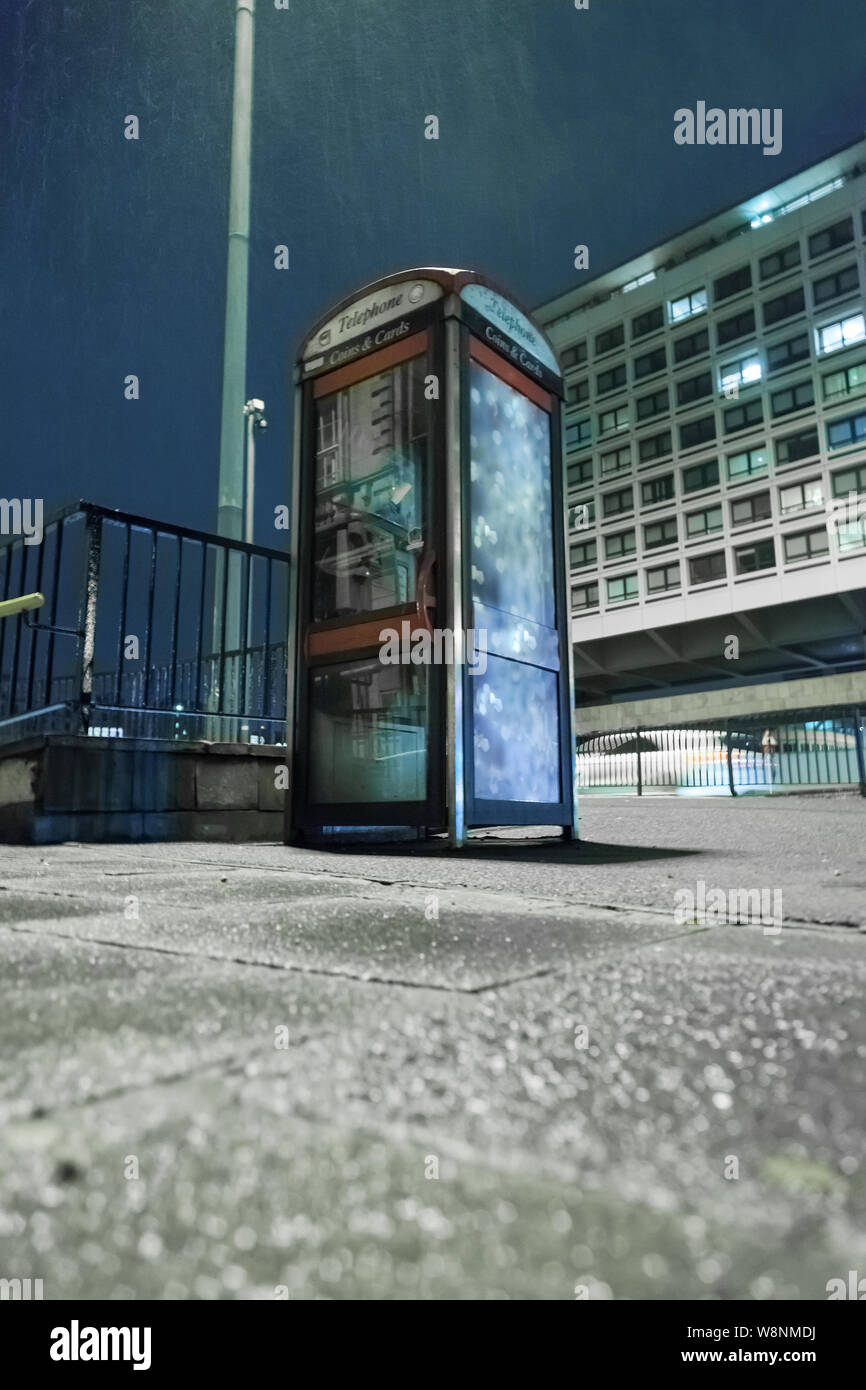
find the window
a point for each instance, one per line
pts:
(748, 464)
(654, 446)
(653, 404)
(777, 261)
(805, 545)
(650, 362)
(845, 281)
(584, 596)
(792, 398)
(846, 382)
(578, 434)
(801, 445)
(703, 523)
(612, 503)
(622, 588)
(660, 533)
(745, 511)
(657, 490)
(849, 480)
(750, 558)
(740, 417)
(849, 430)
(573, 356)
(694, 388)
(852, 534)
(794, 302)
(796, 497)
(838, 335)
(610, 380)
(647, 323)
(615, 461)
(786, 354)
(578, 473)
(735, 327)
(619, 545)
(840, 234)
(586, 553)
(742, 371)
(691, 345)
(703, 568)
(697, 431)
(608, 340)
(695, 302)
(577, 393)
(732, 283)
(701, 475)
(664, 577)
(616, 419)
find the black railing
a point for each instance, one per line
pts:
(783, 750)
(148, 629)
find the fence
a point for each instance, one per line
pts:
(767, 752)
(148, 630)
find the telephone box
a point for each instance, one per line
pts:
(429, 658)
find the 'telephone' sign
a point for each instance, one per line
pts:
(525, 337)
(368, 323)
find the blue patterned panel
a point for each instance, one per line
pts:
(516, 730)
(512, 527)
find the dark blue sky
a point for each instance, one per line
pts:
(556, 128)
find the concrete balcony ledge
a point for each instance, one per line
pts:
(58, 787)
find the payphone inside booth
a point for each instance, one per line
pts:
(429, 663)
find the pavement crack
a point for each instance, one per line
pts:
(289, 969)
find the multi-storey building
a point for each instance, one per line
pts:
(716, 453)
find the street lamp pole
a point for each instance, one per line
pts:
(227, 622)
(231, 474)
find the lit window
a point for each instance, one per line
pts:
(687, 306)
(798, 496)
(740, 373)
(747, 464)
(846, 382)
(622, 588)
(838, 335)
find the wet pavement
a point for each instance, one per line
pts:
(519, 1071)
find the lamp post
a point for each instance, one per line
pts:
(226, 628)
(231, 480)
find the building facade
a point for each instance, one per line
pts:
(715, 435)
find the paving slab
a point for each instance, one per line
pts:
(241, 1072)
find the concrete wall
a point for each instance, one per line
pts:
(722, 704)
(61, 787)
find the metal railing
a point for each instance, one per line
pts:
(148, 630)
(784, 750)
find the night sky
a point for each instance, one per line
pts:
(556, 128)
